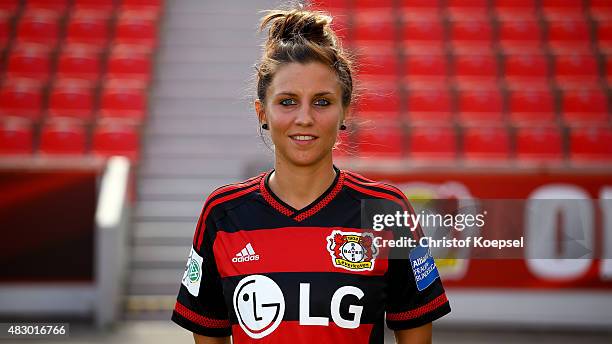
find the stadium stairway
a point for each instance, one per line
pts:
(201, 133)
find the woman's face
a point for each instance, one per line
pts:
(304, 111)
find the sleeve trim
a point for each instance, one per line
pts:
(415, 313)
(200, 319)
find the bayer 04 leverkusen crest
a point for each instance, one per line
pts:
(352, 251)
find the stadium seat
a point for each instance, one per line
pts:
(486, 143)
(433, 143)
(563, 9)
(332, 6)
(531, 106)
(576, 71)
(380, 142)
(89, 28)
(122, 65)
(539, 144)
(5, 31)
(604, 36)
(63, 138)
(569, 36)
(585, 106)
(124, 103)
(379, 103)
(420, 9)
(38, 26)
(480, 106)
(431, 106)
(58, 7)
(423, 36)
(378, 65)
(475, 71)
(515, 9)
(526, 71)
(372, 30)
(9, 6)
(29, 61)
(344, 146)
(136, 30)
(520, 36)
(16, 138)
(608, 66)
(467, 9)
(71, 98)
(471, 36)
(102, 7)
(601, 10)
(116, 139)
(591, 144)
(21, 99)
(79, 63)
(423, 71)
(150, 8)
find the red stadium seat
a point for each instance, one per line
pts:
(71, 98)
(539, 144)
(369, 30)
(488, 143)
(585, 106)
(123, 65)
(136, 30)
(79, 63)
(429, 106)
(123, 103)
(531, 106)
(151, 8)
(58, 7)
(380, 142)
(378, 65)
(89, 28)
(466, 9)
(104, 7)
(332, 6)
(576, 71)
(604, 36)
(569, 36)
(344, 147)
(480, 106)
(423, 36)
(16, 138)
(591, 144)
(609, 69)
(380, 104)
(419, 9)
(520, 36)
(433, 143)
(116, 139)
(29, 61)
(475, 71)
(38, 26)
(471, 36)
(515, 9)
(601, 10)
(21, 99)
(563, 9)
(426, 70)
(63, 138)
(526, 71)
(5, 31)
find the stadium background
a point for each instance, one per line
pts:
(484, 99)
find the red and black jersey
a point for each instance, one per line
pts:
(262, 271)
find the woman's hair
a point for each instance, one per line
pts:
(300, 35)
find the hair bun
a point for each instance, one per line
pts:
(298, 26)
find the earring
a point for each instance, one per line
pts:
(264, 126)
(342, 126)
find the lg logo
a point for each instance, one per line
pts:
(260, 306)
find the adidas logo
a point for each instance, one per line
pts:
(245, 255)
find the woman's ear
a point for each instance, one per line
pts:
(259, 109)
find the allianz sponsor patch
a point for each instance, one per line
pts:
(193, 273)
(423, 267)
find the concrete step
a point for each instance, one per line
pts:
(203, 126)
(160, 257)
(147, 233)
(203, 89)
(176, 167)
(193, 108)
(198, 147)
(200, 186)
(146, 209)
(204, 55)
(209, 21)
(211, 38)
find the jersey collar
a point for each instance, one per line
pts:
(310, 209)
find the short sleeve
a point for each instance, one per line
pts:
(200, 306)
(415, 294)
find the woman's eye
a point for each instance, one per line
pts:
(322, 102)
(287, 102)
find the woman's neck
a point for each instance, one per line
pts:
(298, 186)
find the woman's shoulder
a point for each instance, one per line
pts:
(372, 187)
(234, 191)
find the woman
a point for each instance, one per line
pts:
(282, 257)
